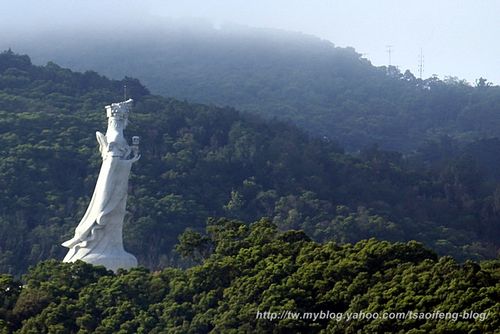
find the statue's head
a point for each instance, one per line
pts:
(119, 112)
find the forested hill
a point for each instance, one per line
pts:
(255, 279)
(327, 90)
(201, 161)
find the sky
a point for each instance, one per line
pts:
(455, 38)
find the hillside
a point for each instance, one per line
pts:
(255, 279)
(327, 90)
(202, 161)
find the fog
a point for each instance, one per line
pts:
(457, 38)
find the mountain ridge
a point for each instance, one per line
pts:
(327, 90)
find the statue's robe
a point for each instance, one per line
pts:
(110, 192)
(106, 206)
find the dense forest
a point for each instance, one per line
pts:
(202, 161)
(327, 90)
(247, 271)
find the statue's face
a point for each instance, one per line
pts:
(117, 123)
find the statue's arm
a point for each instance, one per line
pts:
(135, 158)
(103, 143)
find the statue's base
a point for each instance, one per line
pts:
(112, 261)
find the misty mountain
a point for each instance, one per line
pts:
(202, 161)
(330, 91)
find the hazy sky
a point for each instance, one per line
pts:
(457, 38)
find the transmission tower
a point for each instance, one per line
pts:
(421, 64)
(389, 52)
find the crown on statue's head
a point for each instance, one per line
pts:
(120, 109)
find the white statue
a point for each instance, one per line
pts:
(98, 237)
